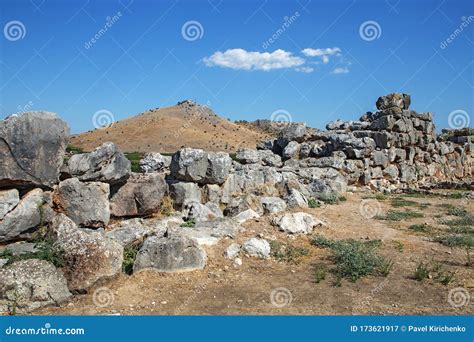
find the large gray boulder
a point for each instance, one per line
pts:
(242, 203)
(105, 164)
(89, 256)
(141, 195)
(296, 223)
(154, 162)
(170, 254)
(32, 149)
(247, 156)
(257, 248)
(272, 205)
(8, 200)
(198, 212)
(87, 204)
(219, 165)
(28, 285)
(195, 165)
(394, 100)
(27, 215)
(210, 232)
(189, 164)
(182, 192)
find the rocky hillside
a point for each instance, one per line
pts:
(171, 128)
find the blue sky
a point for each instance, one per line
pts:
(331, 59)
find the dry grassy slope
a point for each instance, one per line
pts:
(170, 128)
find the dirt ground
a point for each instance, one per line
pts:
(224, 289)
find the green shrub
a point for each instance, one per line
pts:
(319, 272)
(74, 149)
(354, 259)
(420, 227)
(401, 202)
(457, 211)
(421, 271)
(287, 252)
(393, 215)
(134, 158)
(313, 203)
(45, 250)
(188, 224)
(461, 240)
(129, 256)
(385, 267)
(399, 246)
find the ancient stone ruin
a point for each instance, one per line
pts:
(91, 206)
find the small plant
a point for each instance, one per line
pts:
(401, 202)
(134, 158)
(421, 227)
(287, 252)
(381, 197)
(457, 211)
(313, 203)
(456, 195)
(445, 278)
(74, 149)
(421, 272)
(393, 215)
(462, 240)
(399, 246)
(45, 250)
(319, 272)
(342, 198)
(188, 224)
(466, 220)
(129, 256)
(167, 208)
(331, 198)
(385, 267)
(354, 259)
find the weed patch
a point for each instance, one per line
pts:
(354, 259)
(287, 252)
(394, 215)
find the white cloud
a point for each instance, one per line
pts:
(321, 52)
(241, 59)
(305, 69)
(342, 70)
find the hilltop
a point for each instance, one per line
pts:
(168, 129)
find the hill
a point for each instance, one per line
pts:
(168, 129)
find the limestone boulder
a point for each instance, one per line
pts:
(141, 195)
(105, 164)
(170, 254)
(87, 204)
(31, 284)
(89, 256)
(32, 149)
